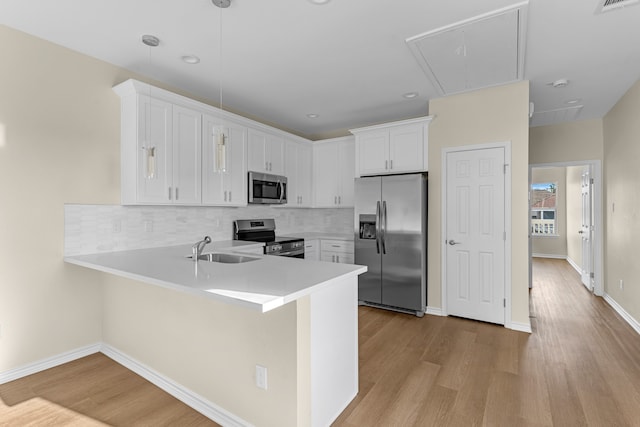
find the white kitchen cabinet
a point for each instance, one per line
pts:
(265, 152)
(160, 152)
(224, 171)
(312, 250)
(333, 172)
(340, 251)
(298, 164)
(390, 148)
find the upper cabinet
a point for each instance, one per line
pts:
(390, 148)
(265, 153)
(224, 148)
(298, 167)
(160, 152)
(333, 172)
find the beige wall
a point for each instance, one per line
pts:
(574, 213)
(491, 115)
(622, 201)
(566, 142)
(553, 245)
(60, 143)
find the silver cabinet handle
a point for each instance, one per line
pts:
(337, 258)
(229, 195)
(339, 200)
(453, 242)
(386, 164)
(169, 193)
(225, 196)
(335, 200)
(176, 193)
(390, 164)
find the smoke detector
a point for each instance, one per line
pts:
(150, 40)
(223, 4)
(560, 83)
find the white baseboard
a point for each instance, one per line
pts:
(49, 362)
(188, 397)
(575, 266)
(622, 312)
(435, 311)
(553, 256)
(521, 327)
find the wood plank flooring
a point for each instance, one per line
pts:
(580, 367)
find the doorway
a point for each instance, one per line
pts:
(576, 235)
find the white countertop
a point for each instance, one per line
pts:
(264, 284)
(320, 236)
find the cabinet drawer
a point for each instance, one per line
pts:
(339, 257)
(337, 246)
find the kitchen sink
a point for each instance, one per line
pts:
(225, 258)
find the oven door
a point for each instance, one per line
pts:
(267, 189)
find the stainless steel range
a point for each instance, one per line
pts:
(264, 230)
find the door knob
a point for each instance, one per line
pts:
(453, 242)
(580, 232)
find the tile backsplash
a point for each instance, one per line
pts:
(106, 228)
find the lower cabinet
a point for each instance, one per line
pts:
(340, 251)
(312, 250)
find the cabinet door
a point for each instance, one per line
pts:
(223, 171)
(275, 154)
(373, 152)
(187, 146)
(326, 179)
(304, 176)
(256, 151)
(346, 159)
(406, 148)
(311, 250)
(154, 165)
(291, 172)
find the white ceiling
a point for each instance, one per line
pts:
(346, 61)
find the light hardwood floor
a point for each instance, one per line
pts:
(581, 366)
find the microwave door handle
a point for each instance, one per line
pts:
(384, 227)
(281, 191)
(378, 227)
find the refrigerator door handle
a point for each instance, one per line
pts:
(378, 226)
(384, 227)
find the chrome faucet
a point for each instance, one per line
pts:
(199, 247)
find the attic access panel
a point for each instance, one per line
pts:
(483, 51)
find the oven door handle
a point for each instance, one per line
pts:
(290, 253)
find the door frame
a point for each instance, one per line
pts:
(598, 234)
(507, 222)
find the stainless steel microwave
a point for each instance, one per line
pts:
(267, 189)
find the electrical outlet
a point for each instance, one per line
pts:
(148, 226)
(261, 377)
(621, 284)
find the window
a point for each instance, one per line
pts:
(543, 209)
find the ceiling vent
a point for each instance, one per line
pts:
(610, 5)
(483, 51)
(558, 115)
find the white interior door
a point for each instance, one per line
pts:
(475, 234)
(586, 229)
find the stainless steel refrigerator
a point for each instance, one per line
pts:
(391, 239)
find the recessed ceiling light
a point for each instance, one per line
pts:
(410, 95)
(313, 115)
(319, 1)
(560, 83)
(572, 101)
(191, 59)
(223, 4)
(150, 40)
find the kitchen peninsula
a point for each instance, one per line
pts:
(312, 370)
